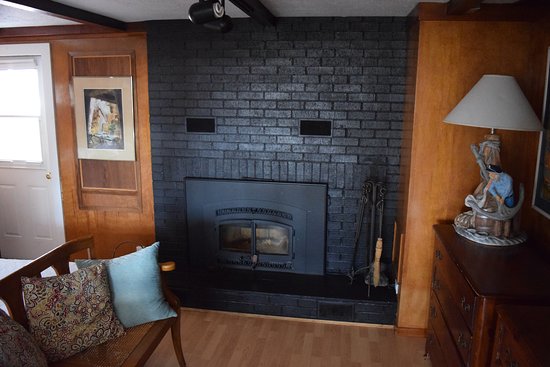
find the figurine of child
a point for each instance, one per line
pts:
(500, 185)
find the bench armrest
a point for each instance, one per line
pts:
(167, 266)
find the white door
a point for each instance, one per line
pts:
(31, 215)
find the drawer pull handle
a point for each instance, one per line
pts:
(500, 333)
(462, 342)
(508, 356)
(430, 341)
(438, 255)
(465, 306)
(433, 312)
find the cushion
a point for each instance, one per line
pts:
(136, 287)
(17, 346)
(71, 312)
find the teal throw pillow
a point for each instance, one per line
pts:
(136, 289)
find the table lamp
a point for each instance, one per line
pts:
(495, 102)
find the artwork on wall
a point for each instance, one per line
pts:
(541, 194)
(104, 118)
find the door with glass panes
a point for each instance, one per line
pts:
(31, 217)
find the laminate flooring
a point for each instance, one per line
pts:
(223, 339)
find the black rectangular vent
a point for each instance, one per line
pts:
(316, 127)
(335, 311)
(200, 125)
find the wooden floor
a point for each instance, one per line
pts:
(222, 339)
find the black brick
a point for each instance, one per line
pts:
(258, 83)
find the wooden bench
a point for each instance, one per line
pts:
(132, 349)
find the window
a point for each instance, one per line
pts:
(20, 110)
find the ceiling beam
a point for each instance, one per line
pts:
(459, 7)
(59, 10)
(256, 10)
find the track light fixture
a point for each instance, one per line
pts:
(206, 11)
(211, 14)
(224, 24)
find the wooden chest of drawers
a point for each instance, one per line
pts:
(522, 335)
(469, 280)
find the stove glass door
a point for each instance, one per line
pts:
(272, 238)
(236, 236)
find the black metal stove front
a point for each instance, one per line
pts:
(270, 226)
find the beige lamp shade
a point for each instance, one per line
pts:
(495, 102)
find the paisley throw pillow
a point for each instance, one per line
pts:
(17, 346)
(71, 312)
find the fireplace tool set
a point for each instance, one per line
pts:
(372, 204)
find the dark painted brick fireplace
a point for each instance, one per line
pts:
(258, 84)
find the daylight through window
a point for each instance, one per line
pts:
(20, 111)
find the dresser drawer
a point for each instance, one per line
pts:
(459, 289)
(445, 339)
(521, 337)
(433, 349)
(450, 310)
(508, 353)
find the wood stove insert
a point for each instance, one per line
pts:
(247, 224)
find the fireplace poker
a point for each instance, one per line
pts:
(364, 202)
(372, 190)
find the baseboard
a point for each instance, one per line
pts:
(405, 331)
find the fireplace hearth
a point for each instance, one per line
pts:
(257, 225)
(324, 297)
(260, 247)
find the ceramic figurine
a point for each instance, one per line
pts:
(491, 220)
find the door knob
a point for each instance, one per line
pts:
(49, 175)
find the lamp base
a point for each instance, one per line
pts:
(489, 240)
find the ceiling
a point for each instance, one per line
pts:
(12, 15)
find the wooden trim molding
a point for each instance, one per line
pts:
(53, 31)
(405, 331)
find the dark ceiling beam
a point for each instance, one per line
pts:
(55, 9)
(459, 7)
(256, 10)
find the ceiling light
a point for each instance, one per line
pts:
(206, 11)
(224, 24)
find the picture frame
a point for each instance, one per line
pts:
(541, 192)
(104, 117)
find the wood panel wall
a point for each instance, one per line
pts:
(111, 200)
(441, 171)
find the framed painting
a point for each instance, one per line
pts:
(104, 118)
(541, 193)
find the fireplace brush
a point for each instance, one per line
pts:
(379, 242)
(372, 199)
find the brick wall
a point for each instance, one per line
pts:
(258, 84)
